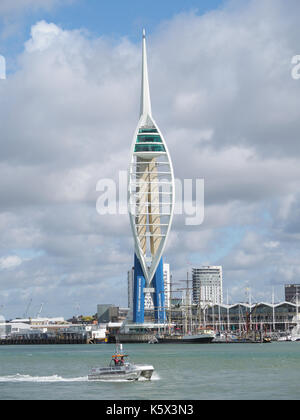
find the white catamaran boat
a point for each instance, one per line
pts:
(120, 368)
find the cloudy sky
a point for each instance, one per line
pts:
(224, 97)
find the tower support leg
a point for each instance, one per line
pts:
(138, 292)
(159, 294)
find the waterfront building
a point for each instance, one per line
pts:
(207, 285)
(107, 313)
(40, 321)
(238, 317)
(151, 195)
(43, 329)
(292, 292)
(257, 316)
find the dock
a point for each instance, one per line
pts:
(44, 340)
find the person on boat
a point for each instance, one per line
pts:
(116, 360)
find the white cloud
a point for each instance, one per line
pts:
(272, 244)
(8, 7)
(13, 13)
(11, 261)
(43, 34)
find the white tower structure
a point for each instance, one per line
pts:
(150, 200)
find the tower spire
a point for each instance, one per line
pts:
(145, 91)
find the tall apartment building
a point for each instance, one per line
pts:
(167, 285)
(130, 279)
(207, 285)
(291, 292)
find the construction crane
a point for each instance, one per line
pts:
(27, 309)
(39, 312)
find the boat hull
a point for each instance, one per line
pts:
(128, 377)
(131, 373)
(196, 339)
(125, 338)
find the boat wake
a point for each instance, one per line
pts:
(56, 378)
(27, 378)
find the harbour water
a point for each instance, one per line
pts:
(182, 372)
